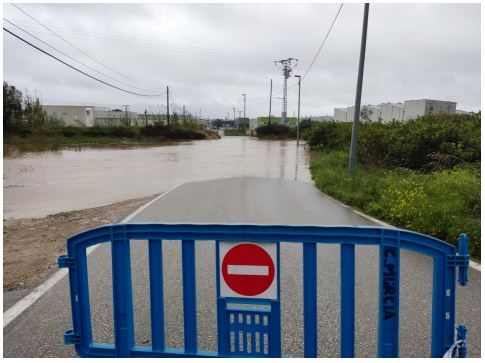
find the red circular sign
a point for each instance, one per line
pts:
(248, 269)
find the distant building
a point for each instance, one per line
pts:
(253, 123)
(392, 111)
(415, 108)
(387, 112)
(242, 122)
(107, 117)
(340, 114)
(71, 115)
(90, 115)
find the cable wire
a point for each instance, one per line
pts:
(74, 46)
(78, 70)
(324, 40)
(75, 60)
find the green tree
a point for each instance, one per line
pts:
(12, 104)
(33, 111)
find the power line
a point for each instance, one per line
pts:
(72, 45)
(75, 60)
(180, 46)
(78, 70)
(324, 40)
(159, 46)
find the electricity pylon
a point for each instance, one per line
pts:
(286, 66)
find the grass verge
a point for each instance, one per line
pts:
(442, 204)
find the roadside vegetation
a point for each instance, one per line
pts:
(27, 127)
(276, 131)
(422, 175)
(235, 132)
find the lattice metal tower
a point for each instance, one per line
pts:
(287, 66)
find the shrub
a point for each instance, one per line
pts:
(442, 204)
(428, 143)
(328, 134)
(275, 131)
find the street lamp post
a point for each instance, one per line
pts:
(298, 120)
(244, 95)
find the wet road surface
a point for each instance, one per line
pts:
(249, 200)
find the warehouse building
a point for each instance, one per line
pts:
(90, 115)
(392, 111)
(387, 112)
(415, 108)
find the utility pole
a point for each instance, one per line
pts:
(234, 110)
(356, 124)
(126, 115)
(287, 66)
(168, 109)
(298, 120)
(270, 99)
(244, 104)
(200, 115)
(146, 118)
(184, 112)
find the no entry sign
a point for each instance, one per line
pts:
(248, 269)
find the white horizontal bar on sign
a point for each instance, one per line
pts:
(247, 270)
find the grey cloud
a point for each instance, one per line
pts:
(414, 51)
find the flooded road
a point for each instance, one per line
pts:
(43, 183)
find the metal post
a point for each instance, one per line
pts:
(244, 104)
(168, 110)
(298, 120)
(270, 99)
(126, 115)
(355, 126)
(287, 66)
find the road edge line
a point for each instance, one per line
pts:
(474, 265)
(23, 304)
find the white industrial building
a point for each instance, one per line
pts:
(340, 114)
(387, 112)
(90, 115)
(392, 111)
(415, 108)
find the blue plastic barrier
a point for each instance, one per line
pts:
(255, 331)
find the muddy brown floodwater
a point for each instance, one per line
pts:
(43, 183)
(49, 196)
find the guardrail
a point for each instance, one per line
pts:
(254, 330)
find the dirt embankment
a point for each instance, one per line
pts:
(31, 246)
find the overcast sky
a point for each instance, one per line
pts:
(209, 54)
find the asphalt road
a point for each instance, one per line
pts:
(38, 332)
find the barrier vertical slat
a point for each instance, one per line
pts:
(310, 299)
(223, 342)
(122, 293)
(388, 335)
(347, 300)
(156, 294)
(443, 308)
(274, 338)
(253, 334)
(84, 298)
(189, 296)
(449, 297)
